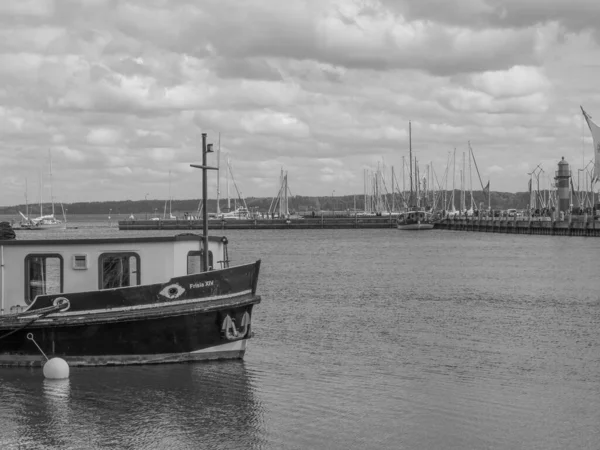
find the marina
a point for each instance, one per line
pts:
(299, 225)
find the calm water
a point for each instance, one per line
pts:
(375, 339)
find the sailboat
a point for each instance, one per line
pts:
(415, 217)
(241, 212)
(43, 221)
(171, 216)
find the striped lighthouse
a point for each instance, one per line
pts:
(562, 178)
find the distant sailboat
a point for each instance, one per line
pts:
(170, 201)
(43, 221)
(242, 212)
(415, 217)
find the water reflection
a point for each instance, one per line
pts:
(171, 406)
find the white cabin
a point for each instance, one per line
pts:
(38, 267)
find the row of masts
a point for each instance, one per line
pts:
(229, 183)
(422, 189)
(542, 188)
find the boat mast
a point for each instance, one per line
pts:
(41, 194)
(393, 192)
(410, 159)
(219, 177)
(227, 179)
(205, 149)
(453, 179)
(281, 193)
(287, 206)
(471, 180)
(170, 198)
(204, 208)
(463, 202)
(51, 195)
(365, 189)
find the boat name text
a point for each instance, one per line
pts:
(202, 284)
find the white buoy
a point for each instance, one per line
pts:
(56, 369)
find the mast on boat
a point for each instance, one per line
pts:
(205, 149)
(410, 160)
(51, 194)
(219, 177)
(227, 185)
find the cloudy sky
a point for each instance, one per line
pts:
(119, 92)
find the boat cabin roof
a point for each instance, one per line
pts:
(112, 241)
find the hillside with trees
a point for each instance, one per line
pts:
(298, 204)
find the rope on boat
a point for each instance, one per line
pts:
(59, 305)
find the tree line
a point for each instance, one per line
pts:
(297, 203)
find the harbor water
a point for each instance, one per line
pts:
(365, 339)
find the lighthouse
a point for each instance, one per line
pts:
(562, 178)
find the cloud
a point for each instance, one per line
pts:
(518, 81)
(120, 92)
(103, 136)
(574, 15)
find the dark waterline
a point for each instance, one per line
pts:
(364, 339)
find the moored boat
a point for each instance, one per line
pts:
(133, 300)
(129, 300)
(415, 220)
(415, 217)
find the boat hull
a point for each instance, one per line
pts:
(191, 336)
(416, 226)
(190, 318)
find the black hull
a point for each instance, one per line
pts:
(191, 336)
(190, 318)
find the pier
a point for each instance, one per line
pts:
(571, 226)
(319, 222)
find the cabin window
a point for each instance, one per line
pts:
(43, 276)
(194, 261)
(119, 270)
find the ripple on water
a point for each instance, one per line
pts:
(364, 339)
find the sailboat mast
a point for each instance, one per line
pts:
(410, 159)
(453, 179)
(365, 190)
(471, 180)
(51, 195)
(417, 184)
(219, 176)
(41, 194)
(462, 186)
(227, 173)
(281, 192)
(287, 208)
(170, 198)
(404, 182)
(393, 191)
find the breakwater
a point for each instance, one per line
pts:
(319, 222)
(571, 226)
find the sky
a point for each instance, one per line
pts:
(117, 93)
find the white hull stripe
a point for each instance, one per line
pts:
(229, 347)
(228, 350)
(139, 307)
